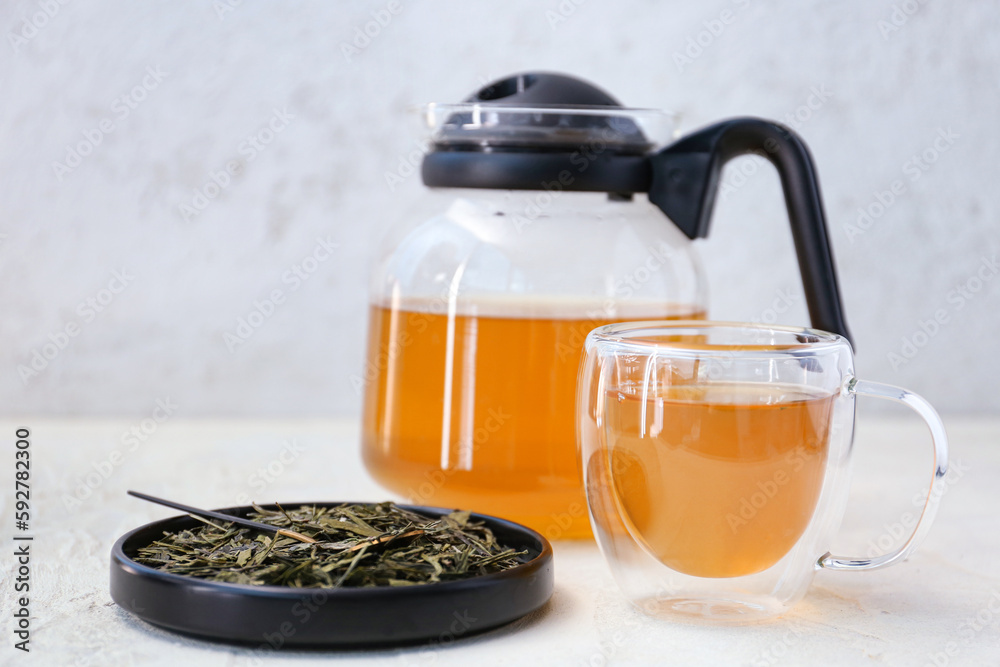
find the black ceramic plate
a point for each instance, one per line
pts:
(278, 616)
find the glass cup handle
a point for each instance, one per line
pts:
(940, 441)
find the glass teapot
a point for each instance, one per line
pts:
(552, 199)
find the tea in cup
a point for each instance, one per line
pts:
(715, 459)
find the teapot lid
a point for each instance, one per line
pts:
(526, 130)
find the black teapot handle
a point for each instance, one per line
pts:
(685, 179)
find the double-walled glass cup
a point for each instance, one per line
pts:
(716, 457)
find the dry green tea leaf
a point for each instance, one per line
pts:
(357, 545)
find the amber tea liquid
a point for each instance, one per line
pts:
(718, 480)
(478, 411)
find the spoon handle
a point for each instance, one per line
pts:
(224, 517)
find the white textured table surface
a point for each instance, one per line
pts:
(941, 607)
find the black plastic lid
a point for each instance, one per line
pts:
(542, 113)
(498, 136)
(543, 131)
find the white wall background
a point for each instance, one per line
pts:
(323, 175)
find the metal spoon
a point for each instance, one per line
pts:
(226, 517)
